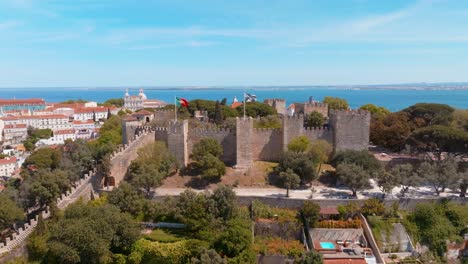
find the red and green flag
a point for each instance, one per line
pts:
(181, 102)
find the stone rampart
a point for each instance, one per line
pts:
(316, 133)
(292, 127)
(226, 137)
(266, 144)
(244, 134)
(350, 129)
(81, 188)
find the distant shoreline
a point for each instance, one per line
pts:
(240, 88)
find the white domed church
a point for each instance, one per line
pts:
(140, 101)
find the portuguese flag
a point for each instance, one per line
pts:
(181, 102)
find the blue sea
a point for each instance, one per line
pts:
(393, 99)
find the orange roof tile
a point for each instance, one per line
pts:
(344, 261)
(329, 211)
(7, 160)
(55, 116)
(236, 104)
(64, 131)
(22, 101)
(15, 126)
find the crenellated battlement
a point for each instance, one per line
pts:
(267, 130)
(164, 111)
(316, 129)
(355, 112)
(160, 128)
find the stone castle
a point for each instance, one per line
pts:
(347, 129)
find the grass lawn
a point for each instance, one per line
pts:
(167, 235)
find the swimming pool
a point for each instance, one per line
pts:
(327, 245)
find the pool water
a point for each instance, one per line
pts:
(327, 245)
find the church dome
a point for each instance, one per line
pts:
(142, 95)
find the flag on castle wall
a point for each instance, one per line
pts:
(181, 102)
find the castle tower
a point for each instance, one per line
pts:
(244, 131)
(177, 138)
(278, 104)
(129, 128)
(292, 127)
(350, 129)
(316, 106)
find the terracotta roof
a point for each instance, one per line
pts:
(7, 160)
(55, 116)
(22, 101)
(344, 261)
(329, 211)
(130, 118)
(236, 104)
(64, 131)
(15, 126)
(143, 112)
(78, 122)
(74, 105)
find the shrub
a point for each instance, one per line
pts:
(373, 207)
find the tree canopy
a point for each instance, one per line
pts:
(299, 144)
(314, 119)
(376, 111)
(336, 103)
(354, 176)
(256, 109)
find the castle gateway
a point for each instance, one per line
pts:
(245, 144)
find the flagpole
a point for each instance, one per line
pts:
(244, 105)
(175, 108)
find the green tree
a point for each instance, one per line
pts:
(361, 158)
(44, 158)
(460, 119)
(407, 177)
(146, 176)
(87, 234)
(272, 121)
(299, 144)
(207, 146)
(235, 238)
(289, 180)
(376, 111)
(462, 183)
(439, 139)
(321, 150)
(192, 210)
(127, 198)
(390, 131)
(257, 109)
(335, 103)
(312, 257)
(311, 212)
(9, 212)
(387, 181)
(429, 114)
(209, 256)
(118, 102)
(302, 164)
(44, 187)
(218, 114)
(373, 206)
(224, 199)
(314, 119)
(353, 176)
(206, 155)
(439, 174)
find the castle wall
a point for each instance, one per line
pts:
(177, 141)
(129, 130)
(163, 116)
(315, 106)
(319, 133)
(292, 127)
(278, 104)
(225, 137)
(266, 144)
(244, 133)
(350, 129)
(160, 134)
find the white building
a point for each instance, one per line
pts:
(8, 166)
(53, 122)
(140, 101)
(59, 137)
(93, 113)
(15, 133)
(2, 125)
(84, 129)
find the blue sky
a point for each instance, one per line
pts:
(243, 42)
